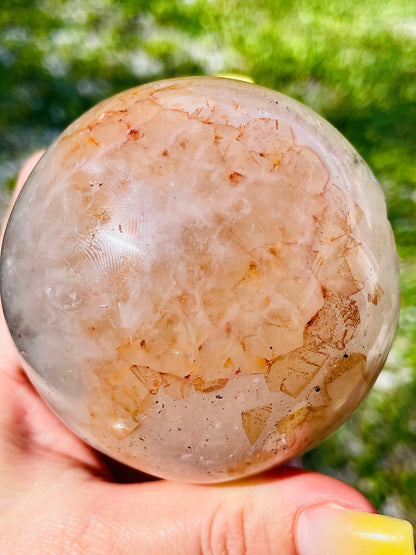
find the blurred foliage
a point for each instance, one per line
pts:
(353, 61)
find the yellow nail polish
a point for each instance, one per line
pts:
(236, 76)
(331, 530)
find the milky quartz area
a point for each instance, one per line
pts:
(201, 279)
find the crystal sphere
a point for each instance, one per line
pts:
(201, 279)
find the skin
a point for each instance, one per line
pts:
(58, 495)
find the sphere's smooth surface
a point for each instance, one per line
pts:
(201, 278)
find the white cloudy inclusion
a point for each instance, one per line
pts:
(201, 278)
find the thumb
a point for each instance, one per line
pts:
(286, 511)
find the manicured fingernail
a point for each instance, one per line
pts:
(330, 530)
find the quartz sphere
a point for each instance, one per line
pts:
(201, 279)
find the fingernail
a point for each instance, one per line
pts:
(330, 530)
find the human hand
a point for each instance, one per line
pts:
(57, 496)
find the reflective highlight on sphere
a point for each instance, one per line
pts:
(201, 278)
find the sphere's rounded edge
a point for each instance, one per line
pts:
(258, 258)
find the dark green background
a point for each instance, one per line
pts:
(352, 61)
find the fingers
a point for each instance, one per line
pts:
(8, 355)
(286, 512)
(34, 443)
(283, 512)
(31, 437)
(254, 516)
(257, 516)
(21, 180)
(25, 172)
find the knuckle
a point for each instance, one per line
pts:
(235, 527)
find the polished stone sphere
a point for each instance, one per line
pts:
(200, 278)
